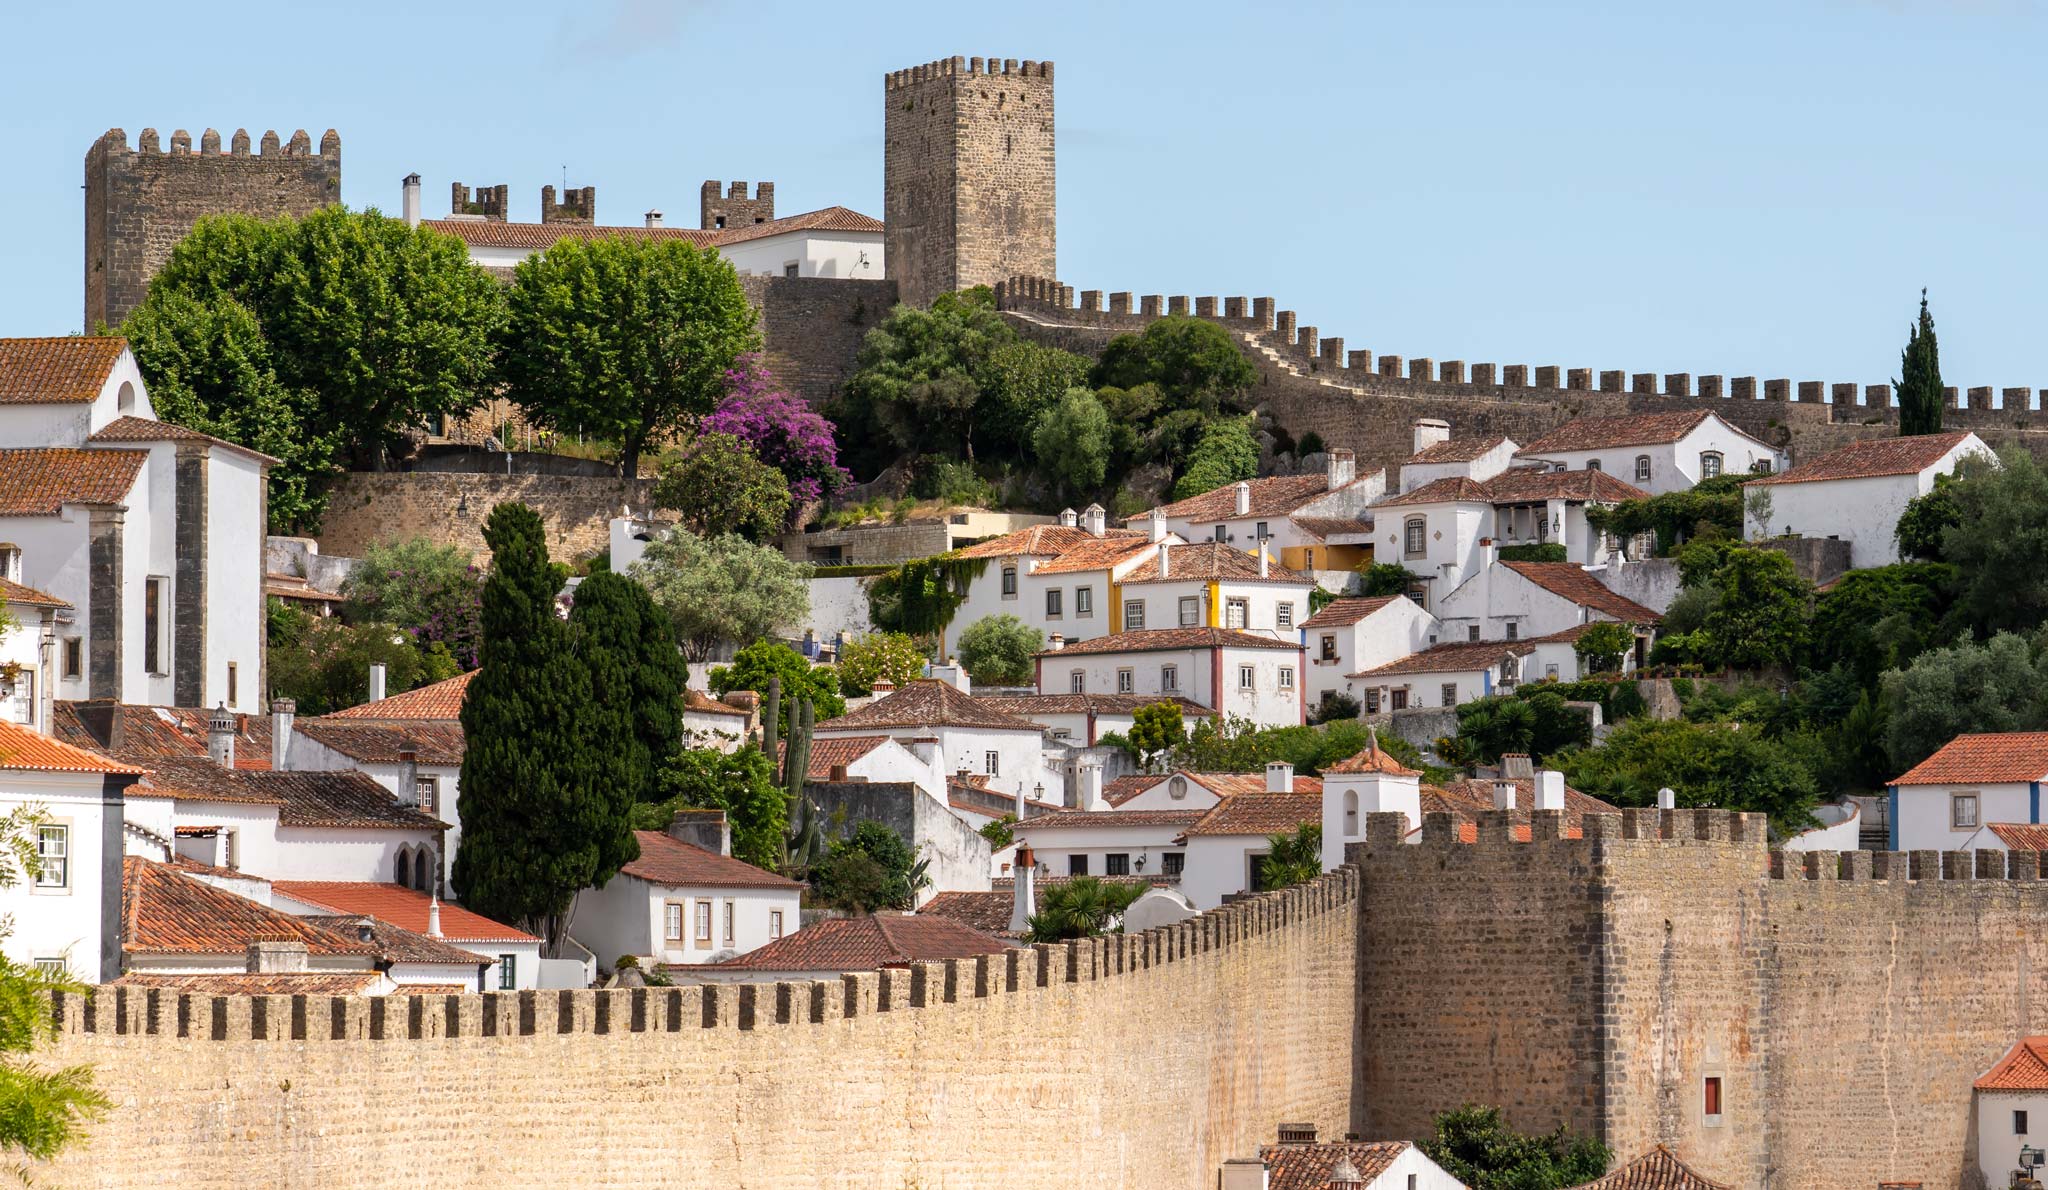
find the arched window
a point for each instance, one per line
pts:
(1417, 536)
(1592, 464)
(1710, 464)
(1642, 468)
(1351, 814)
(124, 400)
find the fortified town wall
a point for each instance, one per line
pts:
(450, 508)
(1143, 1060)
(1847, 1001)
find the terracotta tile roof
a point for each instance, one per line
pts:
(1098, 819)
(438, 700)
(867, 943)
(1867, 460)
(66, 370)
(166, 912)
(15, 593)
(431, 989)
(1096, 554)
(1042, 541)
(401, 906)
(1457, 450)
(673, 863)
(40, 482)
(1458, 656)
(150, 733)
(1024, 706)
(988, 912)
(1995, 757)
(2023, 1068)
(1213, 560)
(1657, 1169)
(484, 233)
(394, 944)
(1307, 1167)
(1274, 496)
(928, 702)
(1261, 813)
(1325, 527)
(432, 741)
(1527, 483)
(1151, 639)
(1576, 584)
(826, 753)
(238, 983)
(23, 749)
(1340, 612)
(704, 704)
(144, 429)
(1126, 787)
(1449, 489)
(1370, 759)
(825, 219)
(1229, 784)
(2021, 836)
(331, 799)
(1600, 433)
(1465, 799)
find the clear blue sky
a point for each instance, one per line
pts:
(1746, 188)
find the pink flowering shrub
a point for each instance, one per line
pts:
(785, 433)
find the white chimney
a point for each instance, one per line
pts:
(1667, 798)
(1156, 525)
(409, 777)
(1165, 558)
(1429, 431)
(1069, 518)
(1279, 777)
(881, 687)
(1056, 642)
(1265, 562)
(282, 711)
(433, 915)
(1549, 790)
(1024, 876)
(376, 681)
(1091, 787)
(654, 218)
(1243, 1173)
(1244, 498)
(220, 736)
(1342, 468)
(409, 199)
(1095, 520)
(1503, 795)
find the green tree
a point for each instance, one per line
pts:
(998, 832)
(539, 824)
(431, 592)
(1926, 518)
(1379, 579)
(624, 338)
(1475, 1145)
(873, 868)
(323, 663)
(1709, 510)
(1020, 381)
(1760, 619)
(718, 485)
(1228, 452)
(1602, 646)
(918, 374)
(720, 589)
(1072, 442)
(764, 661)
(321, 340)
(1689, 609)
(741, 783)
(1536, 721)
(1963, 689)
(1193, 361)
(637, 678)
(1919, 383)
(922, 596)
(1291, 858)
(1997, 545)
(1877, 619)
(1081, 908)
(1156, 729)
(1730, 765)
(997, 651)
(865, 660)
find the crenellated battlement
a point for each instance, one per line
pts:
(1330, 359)
(493, 203)
(956, 66)
(577, 205)
(115, 141)
(1987, 867)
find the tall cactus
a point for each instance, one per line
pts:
(805, 843)
(771, 719)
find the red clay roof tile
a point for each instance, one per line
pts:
(2023, 1068)
(1308, 1167)
(1867, 460)
(1152, 639)
(67, 370)
(21, 748)
(1575, 583)
(1260, 813)
(166, 912)
(437, 700)
(1657, 1169)
(673, 863)
(867, 943)
(1633, 429)
(1341, 612)
(41, 481)
(928, 702)
(401, 906)
(1213, 560)
(1998, 757)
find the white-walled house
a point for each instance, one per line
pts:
(715, 723)
(166, 607)
(514, 954)
(1857, 493)
(2012, 1112)
(1252, 511)
(1232, 672)
(1355, 634)
(28, 647)
(1443, 457)
(682, 903)
(1521, 601)
(1227, 845)
(1658, 452)
(952, 732)
(67, 917)
(1969, 782)
(871, 758)
(1368, 782)
(1081, 719)
(1214, 584)
(1350, 1165)
(1055, 578)
(1444, 675)
(1119, 842)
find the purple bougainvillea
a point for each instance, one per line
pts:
(786, 433)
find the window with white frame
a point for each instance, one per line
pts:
(1126, 681)
(1246, 678)
(1134, 614)
(1077, 682)
(701, 911)
(1283, 614)
(53, 856)
(1287, 677)
(1962, 811)
(1169, 678)
(992, 763)
(1053, 598)
(427, 794)
(10, 561)
(1642, 468)
(672, 922)
(1084, 603)
(1710, 464)
(1237, 613)
(1416, 534)
(1190, 611)
(775, 923)
(1009, 582)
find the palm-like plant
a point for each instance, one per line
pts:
(1081, 908)
(1293, 859)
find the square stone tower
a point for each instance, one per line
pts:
(967, 175)
(140, 202)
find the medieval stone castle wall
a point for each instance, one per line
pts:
(1134, 1061)
(140, 202)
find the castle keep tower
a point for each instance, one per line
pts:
(140, 202)
(967, 175)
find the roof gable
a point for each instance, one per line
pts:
(1571, 581)
(1991, 757)
(1657, 1169)
(1879, 457)
(2023, 1068)
(437, 700)
(1339, 613)
(928, 702)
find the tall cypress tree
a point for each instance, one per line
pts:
(1919, 386)
(637, 678)
(537, 826)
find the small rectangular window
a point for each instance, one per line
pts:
(991, 763)
(1449, 694)
(672, 922)
(1221, 534)
(1329, 648)
(152, 625)
(775, 923)
(1416, 537)
(1712, 1099)
(1116, 864)
(2019, 1123)
(1236, 613)
(790, 269)
(1077, 865)
(1642, 468)
(1372, 702)
(1052, 603)
(1169, 678)
(1009, 582)
(1710, 464)
(729, 915)
(1126, 681)
(427, 794)
(1084, 602)
(53, 965)
(1472, 632)
(74, 658)
(1514, 630)
(1134, 614)
(1963, 811)
(1172, 863)
(1398, 699)
(1077, 682)
(1283, 614)
(508, 972)
(1262, 531)
(1287, 677)
(53, 856)
(1190, 612)
(703, 922)
(233, 699)
(1245, 677)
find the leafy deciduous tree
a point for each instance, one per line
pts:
(997, 650)
(1965, 688)
(1228, 452)
(1476, 1146)
(763, 661)
(1997, 543)
(1385, 578)
(1156, 729)
(865, 660)
(1072, 442)
(1603, 644)
(431, 592)
(1760, 619)
(718, 486)
(1733, 766)
(873, 868)
(323, 663)
(741, 783)
(1193, 361)
(1020, 382)
(918, 373)
(718, 589)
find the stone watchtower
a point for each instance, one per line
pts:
(140, 202)
(716, 212)
(967, 175)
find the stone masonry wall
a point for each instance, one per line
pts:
(812, 327)
(140, 202)
(1143, 1060)
(450, 509)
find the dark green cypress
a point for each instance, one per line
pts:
(1920, 396)
(637, 677)
(534, 829)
